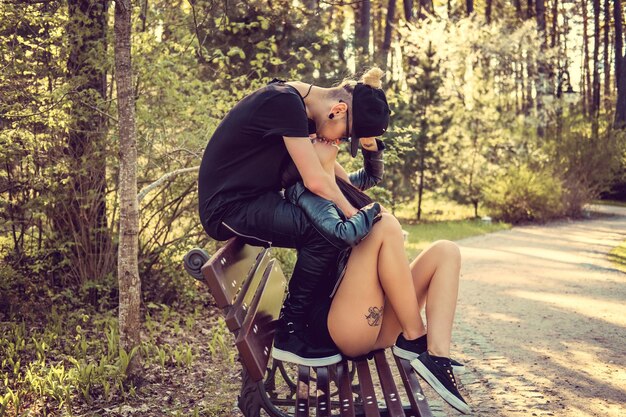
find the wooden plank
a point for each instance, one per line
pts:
(344, 385)
(256, 335)
(302, 394)
(370, 405)
(228, 268)
(388, 385)
(413, 388)
(323, 389)
(237, 313)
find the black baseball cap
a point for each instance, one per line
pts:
(370, 114)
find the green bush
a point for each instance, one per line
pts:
(521, 195)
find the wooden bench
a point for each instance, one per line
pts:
(249, 286)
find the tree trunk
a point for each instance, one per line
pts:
(470, 6)
(426, 6)
(586, 74)
(530, 9)
(542, 70)
(363, 35)
(620, 70)
(595, 102)
(555, 25)
(390, 23)
(80, 214)
(127, 269)
(488, 11)
(607, 46)
(408, 10)
(518, 8)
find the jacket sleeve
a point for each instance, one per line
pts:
(328, 219)
(372, 171)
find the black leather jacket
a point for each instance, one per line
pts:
(330, 221)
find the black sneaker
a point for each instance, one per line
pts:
(441, 378)
(409, 350)
(289, 347)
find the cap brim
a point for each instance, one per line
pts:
(354, 146)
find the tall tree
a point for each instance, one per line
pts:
(586, 75)
(595, 102)
(469, 5)
(620, 67)
(80, 213)
(606, 48)
(408, 10)
(518, 8)
(488, 11)
(363, 32)
(127, 268)
(389, 25)
(542, 67)
(530, 9)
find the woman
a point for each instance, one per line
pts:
(376, 300)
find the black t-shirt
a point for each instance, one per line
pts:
(246, 154)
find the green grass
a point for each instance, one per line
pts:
(436, 208)
(423, 234)
(618, 256)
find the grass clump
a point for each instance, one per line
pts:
(618, 256)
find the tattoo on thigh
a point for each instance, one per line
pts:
(375, 316)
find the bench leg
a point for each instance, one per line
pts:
(253, 397)
(249, 401)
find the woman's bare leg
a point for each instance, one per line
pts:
(436, 279)
(377, 270)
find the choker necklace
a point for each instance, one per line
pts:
(307, 93)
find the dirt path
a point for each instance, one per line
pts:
(541, 321)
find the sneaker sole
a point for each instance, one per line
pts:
(403, 353)
(285, 356)
(408, 355)
(432, 380)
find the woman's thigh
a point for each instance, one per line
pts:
(356, 312)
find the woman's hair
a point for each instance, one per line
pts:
(355, 196)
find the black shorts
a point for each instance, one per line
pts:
(317, 329)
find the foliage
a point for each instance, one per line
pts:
(523, 195)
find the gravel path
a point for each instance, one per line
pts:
(541, 321)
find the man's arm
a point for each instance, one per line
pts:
(313, 175)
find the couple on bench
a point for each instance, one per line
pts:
(269, 175)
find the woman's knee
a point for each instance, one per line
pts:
(388, 224)
(448, 250)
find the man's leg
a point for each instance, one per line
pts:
(271, 221)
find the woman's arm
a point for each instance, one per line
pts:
(328, 220)
(371, 173)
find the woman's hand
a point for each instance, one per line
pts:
(369, 144)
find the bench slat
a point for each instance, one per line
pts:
(302, 395)
(236, 314)
(323, 389)
(388, 385)
(370, 404)
(228, 268)
(254, 340)
(345, 389)
(413, 388)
